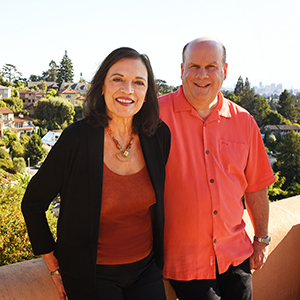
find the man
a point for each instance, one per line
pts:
(217, 156)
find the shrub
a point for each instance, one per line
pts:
(14, 242)
(19, 164)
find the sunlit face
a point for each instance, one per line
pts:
(125, 87)
(203, 72)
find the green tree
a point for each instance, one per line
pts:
(256, 105)
(11, 73)
(233, 97)
(34, 78)
(288, 159)
(2, 103)
(4, 82)
(19, 164)
(14, 242)
(51, 73)
(275, 190)
(65, 70)
(34, 149)
(286, 106)
(43, 86)
(16, 150)
(24, 139)
(51, 93)
(54, 112)
(14, 104)
(274, 118)
(239, 86)
(162, 87)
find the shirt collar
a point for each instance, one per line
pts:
(181, 104)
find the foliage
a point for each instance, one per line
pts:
(14, 242)
(11, 73)
(253, 103)
(273, 118)
(288, 159)
(287, 106)
(43, 86)
(11, 137)
(15, 104)
(54, 112)
(51, 93)
(275, 190)
(2, 103)
(65, 70)
(163, 88)
(239, 87)
(6, 165)
(51, 73)
(232, 97)
(34, 150)
(19, 164)
(4, 82)
(24, 139)
(34, 78)
(16, 149)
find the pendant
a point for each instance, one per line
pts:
(125, 157)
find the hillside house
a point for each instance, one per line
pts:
(69, 95)
(31, 99)
(6, 119)
(50, 138)
(50, 84)
(79, 101)
(5, 92)
(23, 124)
(281, 130)
(80, 87)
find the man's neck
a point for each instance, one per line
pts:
(205, 109)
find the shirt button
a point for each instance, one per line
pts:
(212, 181)
(207, 152)
(215, 240)
(215, 212)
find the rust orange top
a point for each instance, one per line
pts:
(125, 234)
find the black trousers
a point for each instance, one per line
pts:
(141, 280)
(234, 284)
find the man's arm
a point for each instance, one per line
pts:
(257, 204)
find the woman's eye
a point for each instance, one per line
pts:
(117, 79)
(141, 83)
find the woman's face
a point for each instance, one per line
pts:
(125, 87)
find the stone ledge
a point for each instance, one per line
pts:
(278, 280)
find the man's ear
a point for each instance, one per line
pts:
(182, 69)
(225, 71)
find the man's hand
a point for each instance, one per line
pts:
(259, 256)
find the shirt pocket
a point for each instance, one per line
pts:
(233, 156)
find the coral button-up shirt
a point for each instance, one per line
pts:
(211, 165)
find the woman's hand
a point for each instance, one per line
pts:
(53, 265)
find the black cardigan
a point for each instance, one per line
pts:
(74, 169)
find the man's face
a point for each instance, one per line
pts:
(203, 72)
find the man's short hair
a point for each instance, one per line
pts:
(185, 47)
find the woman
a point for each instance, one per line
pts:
(109, 170)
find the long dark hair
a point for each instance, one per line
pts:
(147, 119)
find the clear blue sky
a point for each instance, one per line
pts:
(262, 37)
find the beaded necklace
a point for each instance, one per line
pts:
(125, 155)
